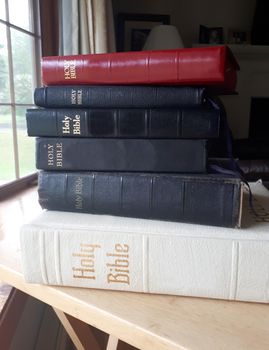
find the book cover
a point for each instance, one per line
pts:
(84, 250)
(201, 198)
(111, 154)
(130, 96)
(198, 123)
(213, 66)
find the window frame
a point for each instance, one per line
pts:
(21, 182)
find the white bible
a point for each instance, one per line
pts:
(150, 256)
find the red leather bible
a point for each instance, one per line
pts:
(214, 66)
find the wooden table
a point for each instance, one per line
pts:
(144, 321)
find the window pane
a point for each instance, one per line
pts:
(2, 10)
(19, 14)
(23, 66)
(4, 80)
(26, 144)
(7, 168)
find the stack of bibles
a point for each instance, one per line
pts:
(139, 148)
(123, 137)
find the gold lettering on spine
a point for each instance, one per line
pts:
(59, 154)
(76, 125)
(73, 97)
(50, 155)
(79, 97)
(71, 125)
(76, 97)
(55, 154)
(86, 261)
(70, 69)
(79, 193)
(66, 125)
(118, 268)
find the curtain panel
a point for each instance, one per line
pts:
(49, 25)
(70, 27)
(86, 26)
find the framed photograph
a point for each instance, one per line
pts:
(237, 36)
(138, 38)
(133, 29)
(210, 35)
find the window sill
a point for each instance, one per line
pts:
(18, 185)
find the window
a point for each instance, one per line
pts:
(19, 75)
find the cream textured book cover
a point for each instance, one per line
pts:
(98, 251)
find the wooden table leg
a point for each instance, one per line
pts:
(112, 343)
(79, 332)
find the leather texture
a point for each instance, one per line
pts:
(204, 199)
(118, 96)
(202, 122)
(106, 154)
(189, 66)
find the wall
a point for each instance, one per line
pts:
(187, 15)
(253, 81)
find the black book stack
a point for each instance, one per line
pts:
(133, 151)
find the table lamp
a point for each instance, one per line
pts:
(163, 37)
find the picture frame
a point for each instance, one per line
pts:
(210, 35)
(238, 36)
(133, 29)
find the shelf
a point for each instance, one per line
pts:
(245, 50)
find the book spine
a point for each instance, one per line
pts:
(194, 199)
(203, 66)
(106, 154)
(126, 123)
(118, 96)
(177, 264)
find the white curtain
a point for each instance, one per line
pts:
(86, 26)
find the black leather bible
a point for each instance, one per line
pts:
(203, 122)
(119, 96)
(108, 154)
(201, 198)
